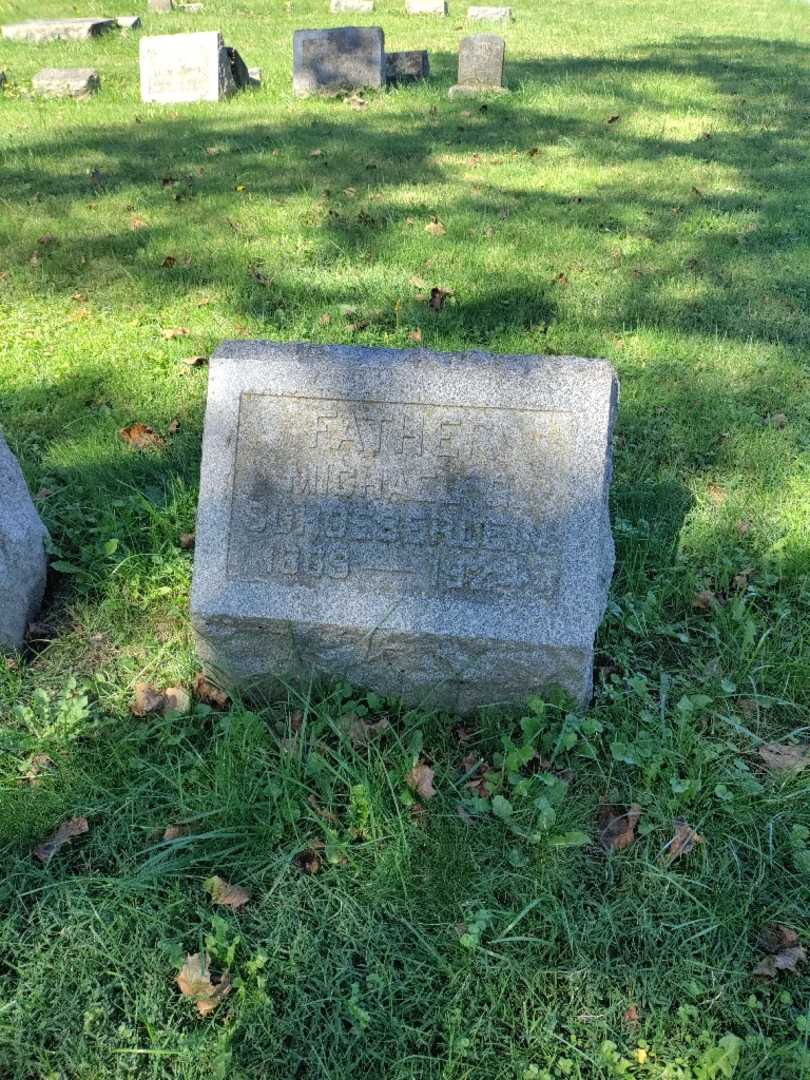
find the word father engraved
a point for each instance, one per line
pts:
(407, 498)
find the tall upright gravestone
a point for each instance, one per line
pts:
(433, 526)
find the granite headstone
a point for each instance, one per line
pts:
(480, 65)
(38, 31)
(66, 82)
(407, 66)
(188, 67)
(433, 526)
(23, 563)
(346, 58)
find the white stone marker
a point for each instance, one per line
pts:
(23, 564)
(355, 7)
(129, 22)
(185, 67)
(66, 82)
(489, 14)
(432, 526)
(426, 7)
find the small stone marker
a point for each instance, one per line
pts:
(40, 30)
(356, 7)
(425, 7)
(189, 67)
(346, 58)
(129, 22)
(66, 82)
(432, 526)
(480, 65)
(160, 7)
(408, 66)
(23, 563)
(489, 14)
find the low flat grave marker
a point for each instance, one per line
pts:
(38, 31)
(480, 65)
(489, 14)
(189, 67)
(345, 58)
(356, 7)
(66, 82)
(426, 7)
(433, 526)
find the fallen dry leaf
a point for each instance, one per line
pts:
(777, 420)
(632, 1015)
(420, 780)
(743, 527)
(174, 332)
(174, 832)
(308, 861)
(222, 892)
(208, 694)
(66, 832)
(438, 297)
(782, 943)
(148, 700)
(136, 223)
(717, 495)
(195, 982)
(740, 581)
(682, 842)
(174, 426)
(785, 756)
(704, 600)
(169, 262)
(187, 541)
(141, 437)
(194, 361)
(176, 699)
(361, 732)
(617, 826)
(415, 335)
(612, 119)
(39, 764)
(315, 153)
(563, 279)
(435, 227)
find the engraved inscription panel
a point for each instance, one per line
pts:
(400, 498)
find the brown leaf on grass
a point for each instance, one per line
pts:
(612, 119)
(222, 892)
(717, 495)
(740, 581)
(174, 426)
(194, 361)
(147, 700)
(415, 335)
(136, 223)
(174, 832)
(169, 262)
(417, 282)
(782, 943)
(48, 241)
(308, 861)
(208, 694)
(66, 832)
(172, 332)
(141, 437)
(684, 841)
(356, 102)
(743, 527)
(562, 279)
(360, 731)
(438, 297)
(435, 227)
(176, 699)
(785, 756)
(195, 981)
(704, 600)
(315, 153)
(187, 541)
(39, 764)
(632, 1016)
(617, 826)
(533, 151)
(79, 297)
(420, 780)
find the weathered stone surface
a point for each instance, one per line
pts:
(346, 58)
(129, 22)
(160, 7)
(66, 82)
(186, 67)
(489, 14)
(433, 526)
(408, 66)
(425, 7)
(39, 30)
(191, 9)
(480, 64)
(239, 70)
(23, 564)
(255, 76)
(357, 7)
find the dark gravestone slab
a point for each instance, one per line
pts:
(346, 58)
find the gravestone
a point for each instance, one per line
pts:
(160, 7)
(189, 67)
(489, 14)
(480, 65)
(129, 22)
(66, 82)
(23, 563)
(357, 7)
(433, 526)
(346, 58)
(425, 7)
(408, 66)
(40, 30)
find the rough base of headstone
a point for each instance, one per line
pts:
(489, 14)
(433, 526)
(355, 7)
(460, 90)
(23, 563)
(129, 22)
(408, 66)
(41, 30)
(178, 68)
(66, 82)
(345, 58)
(426, 7)
(255, 77)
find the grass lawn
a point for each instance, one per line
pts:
(641, 195)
